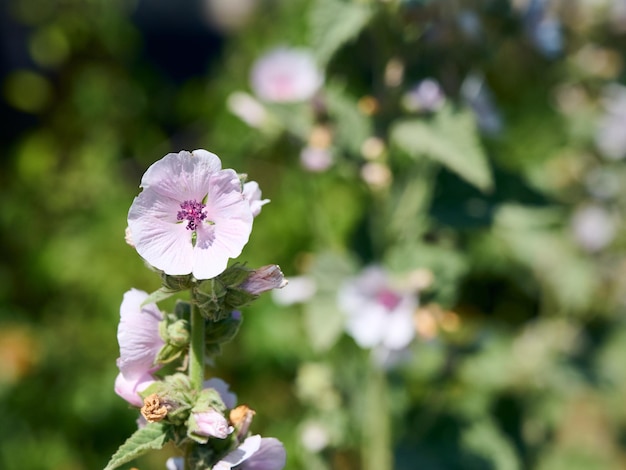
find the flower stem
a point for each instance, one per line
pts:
(196, 349)
(376, 443)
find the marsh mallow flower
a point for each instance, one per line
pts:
(286, 75)
(377, 313)
(252, 194)
(140, 343)
(192, 216)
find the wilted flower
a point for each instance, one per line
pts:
(286, 75)
(210, 423)
(255, 453)
(191, 216)
(140, 343)
(264, 279)
(377, 313)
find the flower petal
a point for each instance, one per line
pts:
(241, 453)
(138, 334)
(129, 388)
(184, 173)
(228, 397)
(270, 456)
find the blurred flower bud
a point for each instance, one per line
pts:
(248, 109)
(427, 95)
(315, 159)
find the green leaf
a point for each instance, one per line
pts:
(333, 23)
(158, 295)
(352, 126)
(151, 437)
(450, 139)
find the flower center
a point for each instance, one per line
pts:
(388, 299)
(193, 213)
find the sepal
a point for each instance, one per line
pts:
(223, 331)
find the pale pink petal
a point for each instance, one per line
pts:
(138, 334)
(241, 453)
(368, 327)
(252, 194)
(270, 456)
(228, 397)
(182, 175)
(164, 245)
(129, 388)
(400, 328)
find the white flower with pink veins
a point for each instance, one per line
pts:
(378, 314)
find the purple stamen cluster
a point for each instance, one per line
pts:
(193, 213)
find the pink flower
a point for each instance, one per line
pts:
(140, 343)
(211, 424)
(316, 159)
(129, 388)
(138, 335)
(191, 216)
(286, 75)
(377, 313)
(255, 453)
(252, 194)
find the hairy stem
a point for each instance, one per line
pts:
(196, 349)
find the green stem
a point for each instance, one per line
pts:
(376, 444)
(196, 349)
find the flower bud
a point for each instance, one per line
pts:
(178, 333)
(264, 279)
(210, 424)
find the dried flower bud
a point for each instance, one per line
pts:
(241, 418)
(154, 408)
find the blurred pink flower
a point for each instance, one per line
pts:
(316, 159)
(211, 423)
(252, 194)
(593, 227)
(299, 290)
(191, 216)
(248, 109)
(255, 453)
(377, 313)
(286, 75)
(427, 95)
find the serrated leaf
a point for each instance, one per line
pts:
(333, 23)
(352, 127)
(450, 139)
(153, 436)
(158, 295)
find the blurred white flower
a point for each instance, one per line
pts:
(248, 109)
(314, 436)
(377, 313)
(286, 75)
(610, 135)
(593, 227)
(299, 290)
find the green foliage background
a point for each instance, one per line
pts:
(530, 376)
